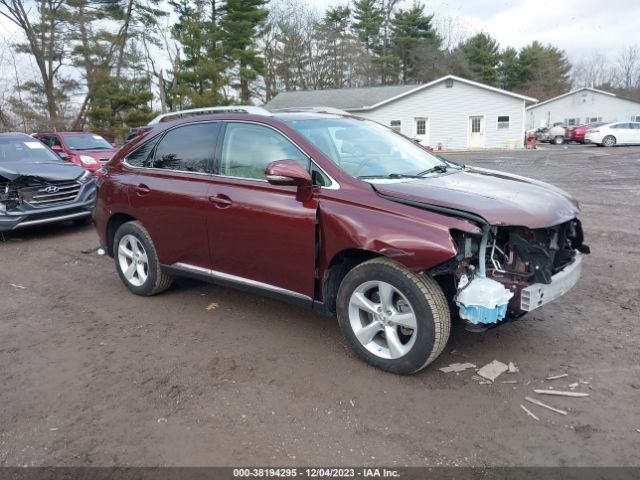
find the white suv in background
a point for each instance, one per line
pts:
(618, 133)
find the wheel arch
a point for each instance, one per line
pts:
(115, 221)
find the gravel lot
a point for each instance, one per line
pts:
(92, 375)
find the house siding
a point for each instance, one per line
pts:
(448, 111)
(580, 105)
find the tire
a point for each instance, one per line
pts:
(383, 336)
(609, 141)
(558, 140)
(132, 247)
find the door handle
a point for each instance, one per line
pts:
(141, 190)
(220, 201)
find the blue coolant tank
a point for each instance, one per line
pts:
(482, 300)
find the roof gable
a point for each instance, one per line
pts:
(578, 90)
(358, 99)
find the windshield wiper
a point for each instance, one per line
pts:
(390, 175)
(437, 168)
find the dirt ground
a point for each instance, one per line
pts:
(203, 375)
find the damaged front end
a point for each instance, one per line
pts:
(508, 270)
(31, 200)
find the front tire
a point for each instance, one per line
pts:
(391, 317)
(137, 261)
(558, 140)
(609, 141)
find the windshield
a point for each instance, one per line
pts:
(31, 150)
(86, 142)
(365, 149)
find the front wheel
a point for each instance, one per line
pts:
(137, 261)
(608, 141)
(558, 140)
(391, 317)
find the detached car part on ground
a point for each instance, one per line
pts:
(37, 187)
(340, 215)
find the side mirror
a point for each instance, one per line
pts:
(291, 173)
(287, 172)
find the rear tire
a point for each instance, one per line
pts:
(609, 141)
(558, 140)
(137, 261)
(392, 318)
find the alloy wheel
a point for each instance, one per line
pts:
(133, 260)
(382, 319)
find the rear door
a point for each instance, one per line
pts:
(170, 192)
(259, 232)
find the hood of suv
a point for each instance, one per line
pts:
(500, 198)
(51, 171)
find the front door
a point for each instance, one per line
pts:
(422, 130)
(476, 132)
(260, 232)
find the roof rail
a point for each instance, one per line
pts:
(336, 111)
(219, 109)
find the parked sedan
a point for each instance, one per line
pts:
(37, 187)
(88, 150)
(618, 133)
(579, 132)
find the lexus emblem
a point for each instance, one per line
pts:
(51, 189)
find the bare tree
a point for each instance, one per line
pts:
(44, 42)
(593, 71)
(452, 31)
(628, 67)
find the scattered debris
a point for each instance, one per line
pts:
(584, 382)
(493, 370)
(17, 286)
(513, 368)
(560, 393)
(101, 251)
(457, 367)
(212, 306)
(509, 381)
(352, 403)
(485, 382)
(162, 420)
(573, 385)
(638, 430)
(544, 405)
(556, 377)
(53, 429)
(529, 412)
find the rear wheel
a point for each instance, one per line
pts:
(137, 261)
(609, 141)
(558, 140)
(391, 317)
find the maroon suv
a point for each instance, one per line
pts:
(343, 216)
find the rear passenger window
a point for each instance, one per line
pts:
(142, 157)
(188, 148)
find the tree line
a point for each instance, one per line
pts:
(109, 65)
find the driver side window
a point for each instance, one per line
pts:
(248, 149)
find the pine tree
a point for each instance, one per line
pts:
(482, 56)
(414, 40)
(241, 24)
(544, 71)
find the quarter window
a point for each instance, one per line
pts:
(188, 148)
(143, 156)
(503, 122)
(395, 125)
(249, 148)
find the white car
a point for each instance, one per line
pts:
(620, 133)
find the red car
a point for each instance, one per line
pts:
(343, 216)
(579, 131)
(87, 150)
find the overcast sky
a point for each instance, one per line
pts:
(576, 26)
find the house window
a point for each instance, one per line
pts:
(635, 118)
(421, 126)
(571, 122)
(503, 122)
(593, 119)
(395, 125)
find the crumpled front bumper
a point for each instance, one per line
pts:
(539, 294)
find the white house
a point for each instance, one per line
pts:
(452, 112)
(585, 105)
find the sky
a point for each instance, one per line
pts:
(577, 26)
